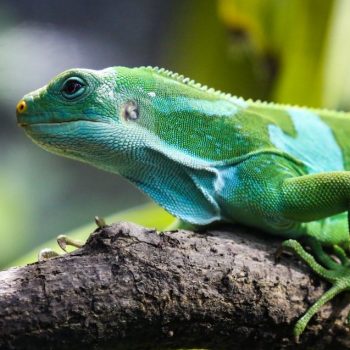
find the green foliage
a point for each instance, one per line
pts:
(289, 35)
(290, 51)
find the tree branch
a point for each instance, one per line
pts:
(131, 288)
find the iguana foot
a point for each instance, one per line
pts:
(338, 274)
(64, 241)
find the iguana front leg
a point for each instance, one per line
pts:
(339, 278)
(270, 194)
(313, 197)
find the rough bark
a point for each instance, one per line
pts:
(131, 288)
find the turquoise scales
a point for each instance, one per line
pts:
(207, 156)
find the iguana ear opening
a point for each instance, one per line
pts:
(130, 111)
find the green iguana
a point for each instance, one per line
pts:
(206, 156)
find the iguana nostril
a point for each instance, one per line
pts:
(21, 106)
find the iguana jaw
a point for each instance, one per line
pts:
(28, 122)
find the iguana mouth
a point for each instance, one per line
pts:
(25, 124)
(35, 119)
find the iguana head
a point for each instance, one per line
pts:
(148, 124)
(95, 115)
(79, 114)
(84, 112)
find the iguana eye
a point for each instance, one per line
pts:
(73, 88)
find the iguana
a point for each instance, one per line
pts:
(206, 156)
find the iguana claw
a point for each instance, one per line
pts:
(63, 241)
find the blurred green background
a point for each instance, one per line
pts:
(290, 51)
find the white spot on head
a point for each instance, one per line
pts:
(222, 108)
(152, 94)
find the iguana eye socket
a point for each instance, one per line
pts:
(73, 88)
